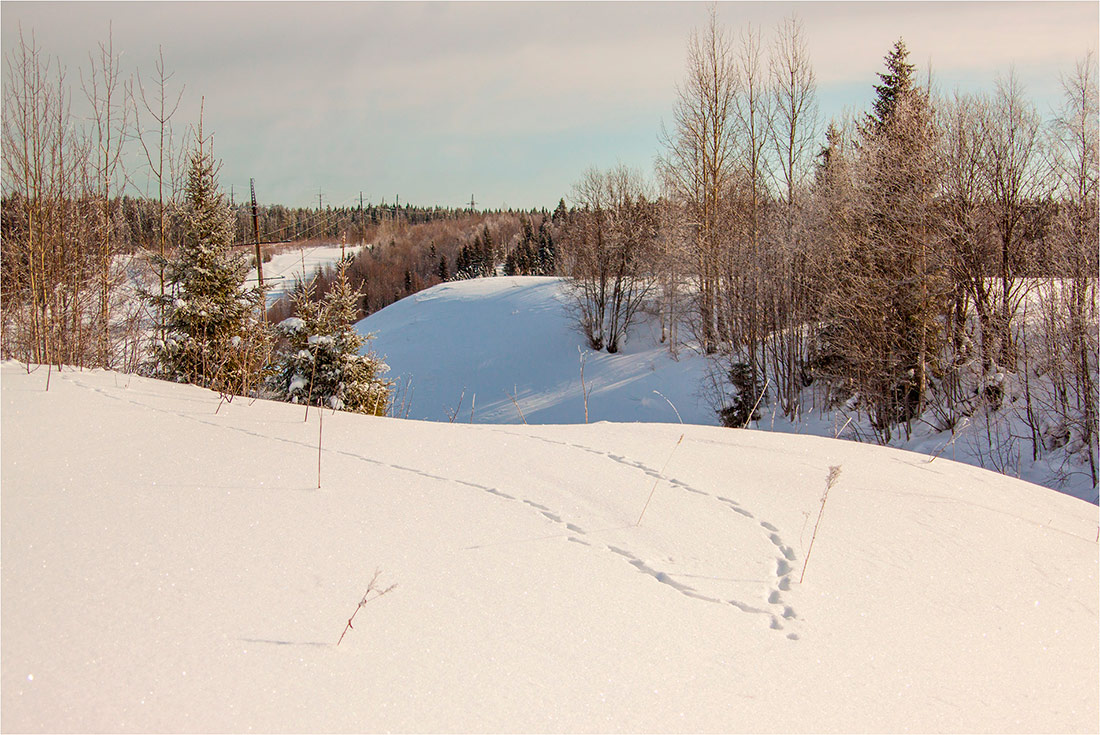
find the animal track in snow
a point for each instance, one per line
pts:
(787, 552)
(770, 532)
(782, 570)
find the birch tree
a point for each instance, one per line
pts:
(698, 163)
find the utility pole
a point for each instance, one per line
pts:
(360, 201)
(256, 235)
(319, 199)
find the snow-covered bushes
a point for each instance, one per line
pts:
(320, 364)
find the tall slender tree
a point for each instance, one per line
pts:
(699, 162)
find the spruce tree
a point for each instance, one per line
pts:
(212, 334)
(900, 261)
(463, 263)
(897, 82)
(487, 254)
(560, 212)
(547, 254)
(320, 363)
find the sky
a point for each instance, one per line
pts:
(507, 102)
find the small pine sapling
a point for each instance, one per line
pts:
(321, 364)
(211, 335)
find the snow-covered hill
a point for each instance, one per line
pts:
(168, 563)
(506, 351)
(494, 343)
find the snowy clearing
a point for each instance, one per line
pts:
(287, 268)
(171, 565)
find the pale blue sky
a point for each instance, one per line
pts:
(507, 101)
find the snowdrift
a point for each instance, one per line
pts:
(169, 563)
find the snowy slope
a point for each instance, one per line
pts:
(477, 344)
(484, 340)
(169, 564)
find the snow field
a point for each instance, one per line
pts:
(169, 564)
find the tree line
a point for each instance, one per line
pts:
(909, 263)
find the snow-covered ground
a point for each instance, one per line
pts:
(505, 351)
(493, 343)
(296, 264)
(168, 563)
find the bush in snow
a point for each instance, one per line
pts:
(742, 404)
(320, 364)
(210, 334)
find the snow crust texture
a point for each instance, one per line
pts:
(169, 563)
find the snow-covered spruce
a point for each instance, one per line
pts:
(320, 363)
(209, 333)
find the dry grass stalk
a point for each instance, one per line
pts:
(834, 473)
(659, 476)
(513, 396)
(366, 598)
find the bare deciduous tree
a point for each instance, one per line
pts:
(607, 249)
(104, 88)
(165, 153)
(1069, 298)
(699, 162)
(1015, 181)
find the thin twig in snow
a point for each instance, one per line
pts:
(584, 391)
(454, 415)
(515, 401)
(659, 476)
(757, 404)
(366, 598)
(662, 395)
(836, 434)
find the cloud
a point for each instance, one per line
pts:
(318, 93)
